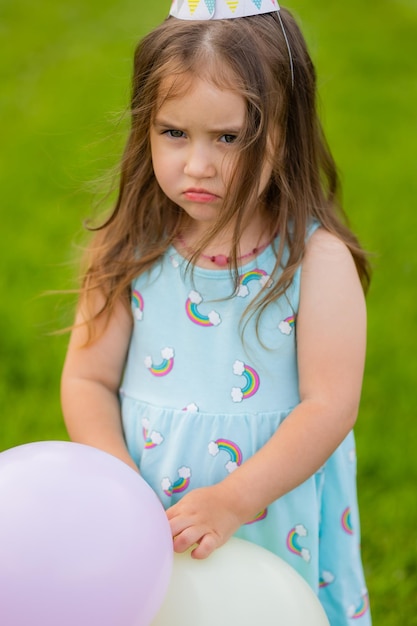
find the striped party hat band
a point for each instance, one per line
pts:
(220, 9)
(227, 9)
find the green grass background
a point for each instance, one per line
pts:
(64, 79)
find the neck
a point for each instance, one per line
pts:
(220, 259)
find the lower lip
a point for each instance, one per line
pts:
(199, 196)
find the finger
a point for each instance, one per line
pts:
(206, 546)
(179, 524)
(187, 538)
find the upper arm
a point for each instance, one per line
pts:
(331, 325)
(103, 359)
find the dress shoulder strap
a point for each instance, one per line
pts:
(294, 290)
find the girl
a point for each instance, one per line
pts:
(219, 342)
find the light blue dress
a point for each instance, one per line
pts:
(201, 393)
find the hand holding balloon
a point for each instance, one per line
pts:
(206, 517)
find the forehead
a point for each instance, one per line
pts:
(189, 96)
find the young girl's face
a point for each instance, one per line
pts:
(193, 148)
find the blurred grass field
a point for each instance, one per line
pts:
(65, 72)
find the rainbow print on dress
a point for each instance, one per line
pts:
(252, 382)
(137, 305)
(232, 450)
(356, 612)
(346, 521)
(257, 275)
(165, 366)
(258, 518)
(293, 543)
(191, 307)
(151, 439)
(180, 485)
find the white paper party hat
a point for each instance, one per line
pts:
(220, 9)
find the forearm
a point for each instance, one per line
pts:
(92, 416)
(299, 447)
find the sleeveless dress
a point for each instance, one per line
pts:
(201, 393)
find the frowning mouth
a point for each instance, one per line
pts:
(200, 195)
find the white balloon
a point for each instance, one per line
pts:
(240, 583)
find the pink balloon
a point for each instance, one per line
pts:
(84, 541)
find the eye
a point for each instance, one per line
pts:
(228, 138)
(175, 134)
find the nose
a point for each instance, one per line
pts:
(199, 162)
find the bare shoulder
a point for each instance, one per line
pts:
(328, 255)
(330, 281)
(326, 245)
(329, 270)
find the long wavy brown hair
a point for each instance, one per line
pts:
(249, 56)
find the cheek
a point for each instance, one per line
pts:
(161, 164)
(163, 177)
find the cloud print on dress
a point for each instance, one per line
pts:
(174, 261)
(287, 325)
(326, 579)
(191, 408)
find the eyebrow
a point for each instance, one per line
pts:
(167, 124)
(164, 123)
